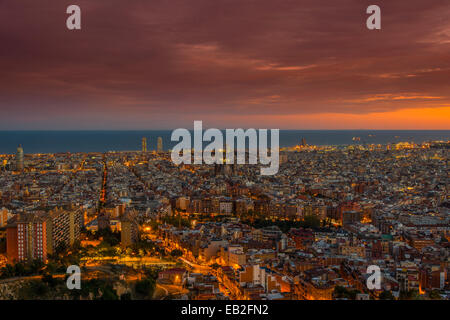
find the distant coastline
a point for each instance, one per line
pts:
(114, 140)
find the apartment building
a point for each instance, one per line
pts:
(27, 238)
(35, 235)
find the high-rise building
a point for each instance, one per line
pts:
(27, 238)
(12, 247)
(304, 144)
(129, 229)
(19, 159)
(160, 145)
(34, 235)
(63, 228)
(144, 144)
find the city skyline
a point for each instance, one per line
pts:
(313, 231)
(216, 158)
(162, 65)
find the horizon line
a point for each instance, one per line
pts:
(192, 129)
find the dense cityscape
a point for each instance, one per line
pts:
(141, 227)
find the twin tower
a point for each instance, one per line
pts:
(159, 147)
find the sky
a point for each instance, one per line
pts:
(161, 64)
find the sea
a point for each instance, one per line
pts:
(104, 141)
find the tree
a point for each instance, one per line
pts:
(33, 290)
(339, 292)
(125, 296)
(60, 248)
(353, 293)
(108, 293)
(19, 270)
(409, 295)
(7, 272)
(145, 287)
(215, 266)
(49, 280)
(435, 295)
(311, 221)
(176, 253)
(386, 295)
(343, 293)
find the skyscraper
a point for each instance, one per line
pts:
(160, 145)
(304, 144)
(144, 144)
(19, 159)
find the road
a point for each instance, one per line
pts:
(198, 268)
